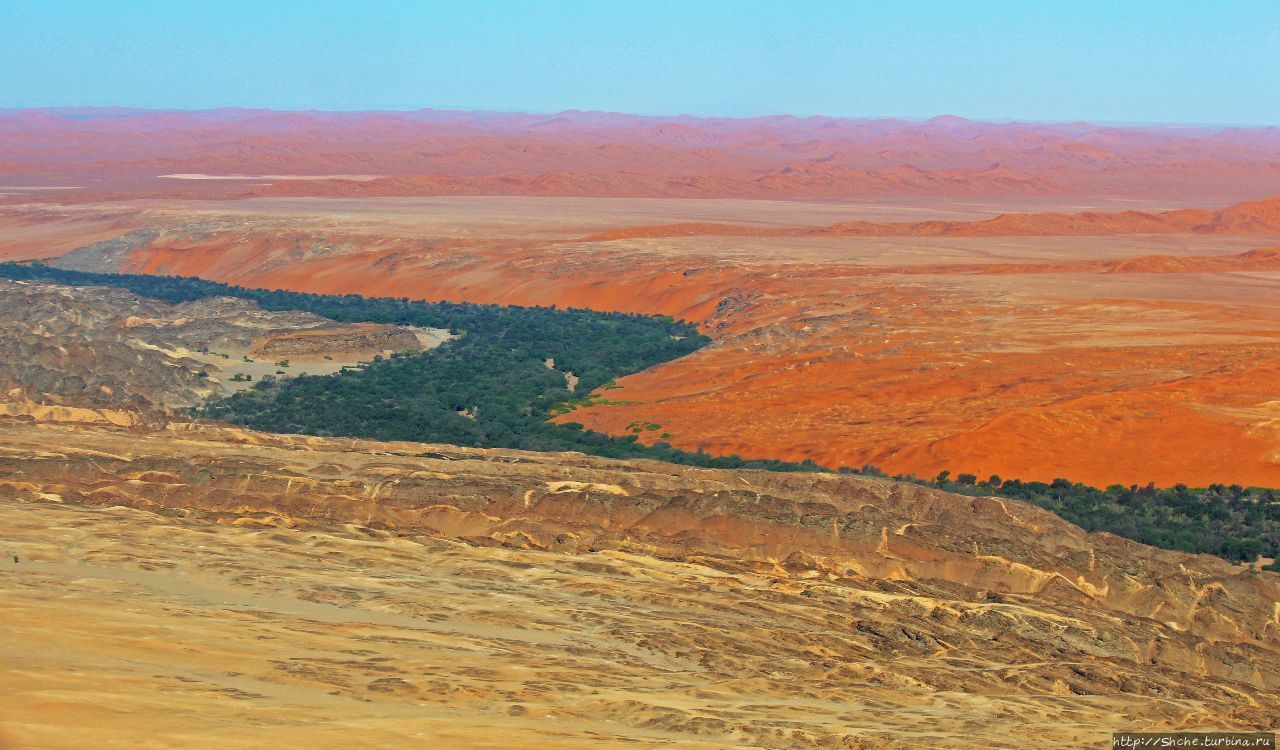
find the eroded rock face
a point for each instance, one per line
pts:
(828, 585)
(89, 347)
(100, 347)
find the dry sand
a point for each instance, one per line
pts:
(220, 588)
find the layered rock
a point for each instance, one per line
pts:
(102, 347)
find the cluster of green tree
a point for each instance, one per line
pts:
(1233, 522)
(490, 387)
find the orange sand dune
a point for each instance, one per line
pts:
(41, 235)
(790, 181)
(1267, 259)
(1257, 217)
(1253, 218)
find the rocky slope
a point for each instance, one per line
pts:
(405, 593)
(91, 347)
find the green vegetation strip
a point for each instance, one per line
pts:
(489, 387)
(1233, 522)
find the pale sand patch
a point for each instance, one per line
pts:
(271, 177)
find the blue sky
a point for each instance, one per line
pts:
(1117, 61)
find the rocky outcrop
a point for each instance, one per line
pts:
(89, 348)
(100, 347)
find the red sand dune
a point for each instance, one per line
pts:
(812, 182)
(120, 153)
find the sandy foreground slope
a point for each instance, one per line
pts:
(188, 586)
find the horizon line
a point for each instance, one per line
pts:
(1004, 120)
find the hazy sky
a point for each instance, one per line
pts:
(1116, 61)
